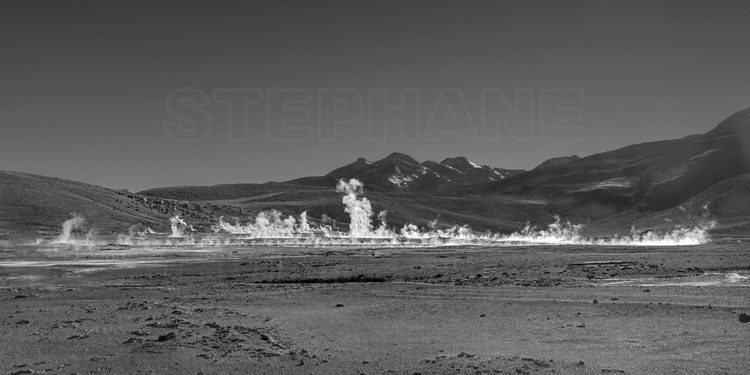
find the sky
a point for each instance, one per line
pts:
(141, 94)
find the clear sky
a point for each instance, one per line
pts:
(106, 92)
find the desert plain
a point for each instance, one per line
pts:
(447, 310)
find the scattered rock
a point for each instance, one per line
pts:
(23, 321)
(79, 336)
(167, 337)
(139, 333)
(269, 339)
(744, 318)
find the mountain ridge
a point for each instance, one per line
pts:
(651, 184)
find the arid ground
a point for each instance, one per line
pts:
(514, 310)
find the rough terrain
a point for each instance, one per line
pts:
(517, 310)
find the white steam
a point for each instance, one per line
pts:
(74, 223)
(273, 228)
(178, 226)
(358, 208)
(267, 224)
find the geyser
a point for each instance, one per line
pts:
(178, 226)
(273, 228)
(74, 223)
(358, 208)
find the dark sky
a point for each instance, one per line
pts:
(106, 91)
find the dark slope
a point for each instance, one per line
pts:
(556, 161)
(228, 191)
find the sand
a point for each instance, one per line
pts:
(518, 310)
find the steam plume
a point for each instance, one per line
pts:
(272, 228)
(358, 208)
(178, 226)
(74, 223)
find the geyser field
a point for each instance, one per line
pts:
(287, 295)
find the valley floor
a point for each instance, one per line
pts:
(518, 310)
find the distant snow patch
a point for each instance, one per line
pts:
(401, 180)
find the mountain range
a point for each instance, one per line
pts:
(649, 185)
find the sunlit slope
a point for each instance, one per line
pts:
(32, 203)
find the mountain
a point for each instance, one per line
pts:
(648, 185)
(395, 172)
(646, 177)
(399, 171)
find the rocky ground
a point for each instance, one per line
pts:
(520, 310)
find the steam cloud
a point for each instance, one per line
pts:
(178, 226)
(358, 208)
(273, 228)
(74, 223)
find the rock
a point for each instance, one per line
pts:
(23, 321)
(595, 301)
(646, 290)
(167, 337)
(582, 325)
(482, 315)
(78, 337)
(139, 333)
(744, 318)
(580, 363)
(339, 305)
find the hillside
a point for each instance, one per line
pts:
(31, 203)
(645, 177)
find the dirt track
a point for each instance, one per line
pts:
(513, 310)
